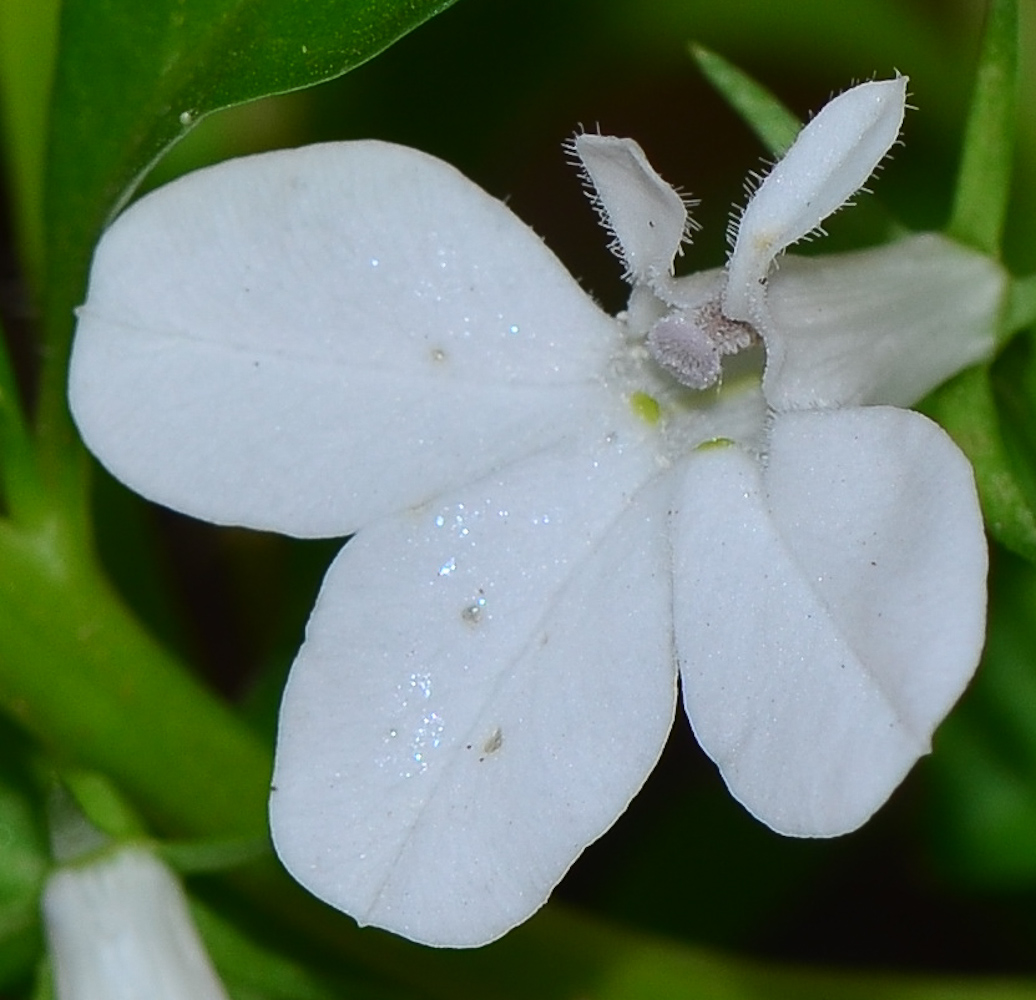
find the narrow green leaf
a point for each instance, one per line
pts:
(18, 473)
(28, 39)
(1021, 307)
(774, 124)
(43, 987)
(983, 184)
(24, 860)
(102, 805)
(132, 78)
(195, 857)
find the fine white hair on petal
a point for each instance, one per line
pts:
(648, 218)
(829, 608)
(829, 161)
(304, 340)
(453, 691)
(119, 929)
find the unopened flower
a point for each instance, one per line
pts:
(118, 928)
(556, 509)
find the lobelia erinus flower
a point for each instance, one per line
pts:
(556, 511)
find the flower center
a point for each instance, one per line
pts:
(690, 343)
(667, 394)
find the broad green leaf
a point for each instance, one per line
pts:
(133, 77)
(983, 184)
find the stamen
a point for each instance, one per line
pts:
(690, 344)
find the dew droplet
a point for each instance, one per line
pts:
(448, 567)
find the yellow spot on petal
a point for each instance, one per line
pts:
(646, 407)
(715, 443)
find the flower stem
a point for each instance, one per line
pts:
(983, 184)
(80, 674)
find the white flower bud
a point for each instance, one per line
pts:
(119, 929)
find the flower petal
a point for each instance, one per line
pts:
(829, 609)
(485, 684)
(828, 163)
(646, 216)
(879, 326)
(119, 929)
(307, 339)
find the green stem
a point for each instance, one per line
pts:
(983, 184)
(80, 674)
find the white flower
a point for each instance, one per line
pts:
(354, 338)
(118, 928)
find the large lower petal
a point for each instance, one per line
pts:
(485, 683)
(304, 340)
(829, 609)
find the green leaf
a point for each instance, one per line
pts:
(969, 410)
(18, 473)
(1021, 310)
(24, 860)
(28, 40)
(102, 805)
(984, 181)
(561, 955)
(190, 857)
(774, 124)
(254, 968)
(132, 78)
(984, 770)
